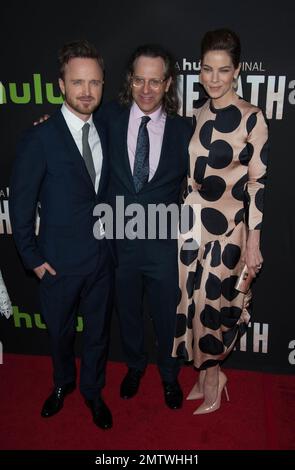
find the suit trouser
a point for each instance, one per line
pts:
(61, 298)
(145, 269)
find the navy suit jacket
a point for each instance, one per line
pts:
(50, 169)
(164, 187)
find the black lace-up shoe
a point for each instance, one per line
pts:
(101, 414)
(130, 383)
(55, 401)
(173, 395)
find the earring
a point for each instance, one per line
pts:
(235, 83)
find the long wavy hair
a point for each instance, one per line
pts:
(170, 98)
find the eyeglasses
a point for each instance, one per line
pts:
(153, 83)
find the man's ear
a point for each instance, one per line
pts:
(62, 85)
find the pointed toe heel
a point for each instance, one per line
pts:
(197, 392)
(205, 408)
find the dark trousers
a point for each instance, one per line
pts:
(62, 297)
(145, 270)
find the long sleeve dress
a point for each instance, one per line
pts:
(228, 156)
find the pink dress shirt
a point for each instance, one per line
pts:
(155, 129)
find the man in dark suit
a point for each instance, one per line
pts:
(149, 156)
(61, 164)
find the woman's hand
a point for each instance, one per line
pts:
(252, 255)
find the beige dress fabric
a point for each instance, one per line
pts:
(228, 156)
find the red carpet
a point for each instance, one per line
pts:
(260, 414)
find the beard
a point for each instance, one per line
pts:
(83, 105)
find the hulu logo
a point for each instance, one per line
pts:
(35, 92)
(25, 320)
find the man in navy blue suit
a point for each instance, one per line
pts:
(148, 145)
(61, 166)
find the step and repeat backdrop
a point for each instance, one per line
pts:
(30, 39)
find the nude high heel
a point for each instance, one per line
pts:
(197, 392)
(204, 408)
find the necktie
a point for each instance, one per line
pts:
(141, 162)
(86, 152)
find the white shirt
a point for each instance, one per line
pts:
(75, 125)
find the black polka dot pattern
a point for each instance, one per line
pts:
(228, 155)
(213, 287)
(180, 325)
(229, 120)
(187, 191)
(229, 316)
(189, 251)
(200, 168)
(228, 288)
(239, 216)
(259, 199)
(229, 233)
(251, 122)
(199, 103)
(262, 179)
(206, 134)
(231, 255)
(206, 251)
(209, 363)
(214, 221)
(239, 188)
(213, 188)
(216, 254)
(211, 345)
(220, 155)
(190, 284)
(264, 154)
(182, 351)
(210, 317)
(246, 154)
(191, 314)
(198, 275)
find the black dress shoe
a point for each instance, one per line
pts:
(130, 383)
(101, 414)
(173, 394)
(55, 401)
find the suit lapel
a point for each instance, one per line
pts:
(164, 155)
(122, 136)
(102, 136)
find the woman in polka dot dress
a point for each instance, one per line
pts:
(228, 153)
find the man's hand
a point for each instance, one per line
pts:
(41, 270)
(41, 119)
